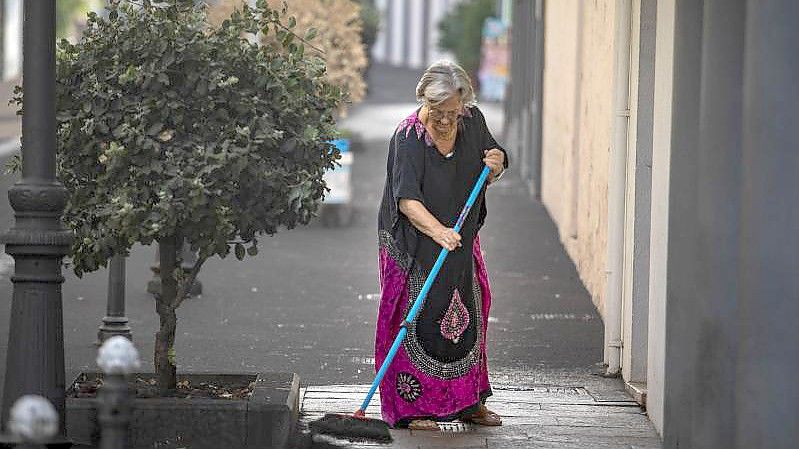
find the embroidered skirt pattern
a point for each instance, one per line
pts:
(440, 371)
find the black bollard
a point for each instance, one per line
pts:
(33, 421)
(187, 261)
(117, 358)
(115, 322)
(114, 411)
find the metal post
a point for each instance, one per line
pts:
(37, 241)
(187, 260)
(117, 358)
(115, 322)
(114, 411)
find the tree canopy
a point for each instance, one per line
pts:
(169, 126)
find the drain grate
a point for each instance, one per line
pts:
(562, 317)
(551, 389)
(455, 427)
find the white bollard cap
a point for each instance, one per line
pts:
(33, 419)
(118, 356)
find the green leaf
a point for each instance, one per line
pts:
(171, 355)
(310, 133)
(252, 251)
(239, 251)
(311, 34)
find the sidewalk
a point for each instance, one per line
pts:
(562, 417)
(544, 337)
(544, 342)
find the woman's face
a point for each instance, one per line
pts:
(444, 116)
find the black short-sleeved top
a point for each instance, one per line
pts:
(416, 170)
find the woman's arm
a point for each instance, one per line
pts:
(424, 221)
(494, 155)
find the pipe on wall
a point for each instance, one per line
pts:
(616, 190)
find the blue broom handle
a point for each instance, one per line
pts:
(428, 283)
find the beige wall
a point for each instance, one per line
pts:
(577, 130)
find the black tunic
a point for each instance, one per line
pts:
(417, 170)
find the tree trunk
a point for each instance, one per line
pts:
(166, 303)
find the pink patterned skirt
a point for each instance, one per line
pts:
(422, 383)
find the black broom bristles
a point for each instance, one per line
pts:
(351, 428)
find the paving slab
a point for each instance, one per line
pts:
(567, 416)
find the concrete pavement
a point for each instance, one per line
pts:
(542, 416)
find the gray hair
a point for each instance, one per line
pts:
(442, 80)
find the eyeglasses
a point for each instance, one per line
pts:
(438, 115)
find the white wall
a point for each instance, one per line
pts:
(661, 151)
(397, 28)
(12, 39)
(415, 30)
(379, 50)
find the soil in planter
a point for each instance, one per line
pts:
(145, 386)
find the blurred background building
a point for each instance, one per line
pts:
(70, 16)
(415, 33)
(409, 32)
(11, 34)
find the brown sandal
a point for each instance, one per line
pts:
(483, 417)
(423, 424)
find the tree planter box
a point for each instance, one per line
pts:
(264, 420)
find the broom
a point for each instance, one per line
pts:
(357, 426)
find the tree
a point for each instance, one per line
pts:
(370, 19)
(66, 13)
(171, 129)
(337, 24)
(462, 32)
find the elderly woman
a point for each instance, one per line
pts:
(434, 158)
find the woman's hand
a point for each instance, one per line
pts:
(424, 221)
(495, 160)
(447, 238)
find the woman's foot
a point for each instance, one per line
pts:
(423, 424)
(483, 417)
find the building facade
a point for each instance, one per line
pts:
(11, 33)
(408, 35)
(664, 153)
